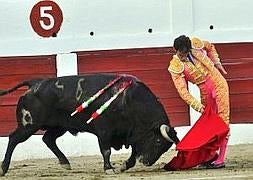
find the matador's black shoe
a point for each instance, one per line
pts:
(204, 165)
(215, 166)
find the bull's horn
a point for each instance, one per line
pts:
(164, 129)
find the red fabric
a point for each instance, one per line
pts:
(201, 143)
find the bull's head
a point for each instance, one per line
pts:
(155, 143)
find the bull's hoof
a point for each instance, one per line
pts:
(66, 166)
(1, 172)
(123, 167)
(109, 171)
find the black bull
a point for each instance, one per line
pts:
(135, 118)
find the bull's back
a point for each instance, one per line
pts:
(145, 105)
(68, 92)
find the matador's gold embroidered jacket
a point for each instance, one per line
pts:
(204, 57)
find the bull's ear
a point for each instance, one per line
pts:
(175, 138)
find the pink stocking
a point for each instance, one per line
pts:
(222, 152)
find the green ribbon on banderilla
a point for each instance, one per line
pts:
(107, 103)
(95, 96)
(102, 108)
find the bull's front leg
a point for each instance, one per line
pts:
(106, 153)
(130, 162)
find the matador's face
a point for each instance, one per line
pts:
(182, 55)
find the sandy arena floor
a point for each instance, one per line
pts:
(239, 166)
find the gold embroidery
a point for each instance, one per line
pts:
(204, 59)
(176, 66)
(197, 43)
(181, 87)
(197, 71)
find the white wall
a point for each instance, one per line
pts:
(119, 24)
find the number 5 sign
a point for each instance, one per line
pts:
(46, 18)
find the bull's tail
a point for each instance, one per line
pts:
(24, 83)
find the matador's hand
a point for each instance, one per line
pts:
(221, 68)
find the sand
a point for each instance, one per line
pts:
(239, 165)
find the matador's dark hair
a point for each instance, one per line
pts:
(182, 44)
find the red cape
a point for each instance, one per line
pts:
(201, 143)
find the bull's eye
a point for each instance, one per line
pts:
(158, 141)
